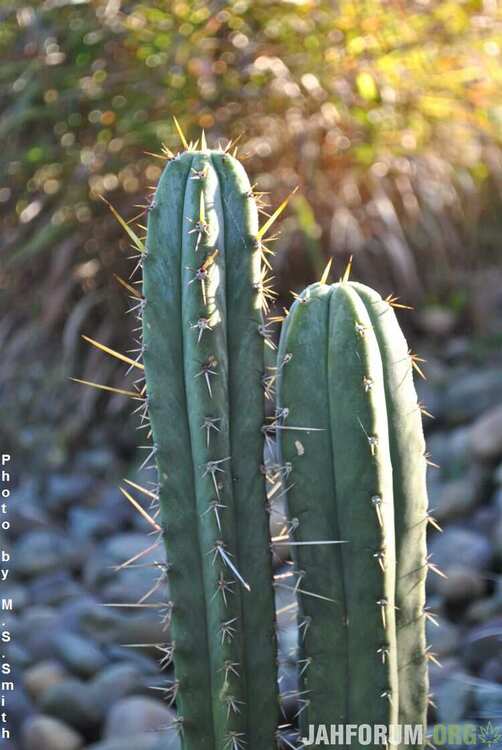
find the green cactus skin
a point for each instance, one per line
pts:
(204, 363)
(357, 476)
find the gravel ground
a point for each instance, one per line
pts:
(78, 686)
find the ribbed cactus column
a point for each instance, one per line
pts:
(358, 477)
(203, 356)
(408, 454)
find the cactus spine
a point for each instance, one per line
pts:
(358, 477)
(204, 363)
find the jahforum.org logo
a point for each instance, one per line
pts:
(466, 735)
(364, 734)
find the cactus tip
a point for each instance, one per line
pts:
(325, 274)
(347, 272)
(181, 134)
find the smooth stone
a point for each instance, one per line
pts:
(87, 612)
(88, 523)
(39, 552)
(450, 450)
(486, 435)
(443, 640)
(41, 676)
(26, 512)
(96, 460)
(146, 659)
(482, 643)
(452, 697)
(65, 489)
(110, 502)
(19, 656)
(484, 520)
(141, 628)
(469, 393)
(54, 588)
(47, 733)
(17, 593)
(488, 699)
(492, 669)
(462, 585)
(71, 701)
(35, 631)
(455, 498)
(100, 568)
(130, 585)
(460, 546)
(484, 609)
(116, 682)
(136, 714)
(81, 656)
(100, 623)
(19, 709)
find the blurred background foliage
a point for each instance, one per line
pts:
(387, 115)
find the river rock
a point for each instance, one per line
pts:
(35, 631)
(486, 435)
(100, 568)
(116, 682)
(39, 552)
(461, 585)
(488, 699)
(47, 733)
(492, 669)
(470, 393)
(135, 715)
(443, 639)
(482, 643)
(130, 585)
(26, 512)
(39, 677)
(452, 697)
(91, 523)
(54, 588)
(460, 547)
(488, 608)
(71, 701)
(142, 628)
(80, 655)
(453, 499)
(65, 489)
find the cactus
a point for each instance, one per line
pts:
(351, 439)
(203, 351)
(351, 452)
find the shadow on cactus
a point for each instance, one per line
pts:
(351, 461)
